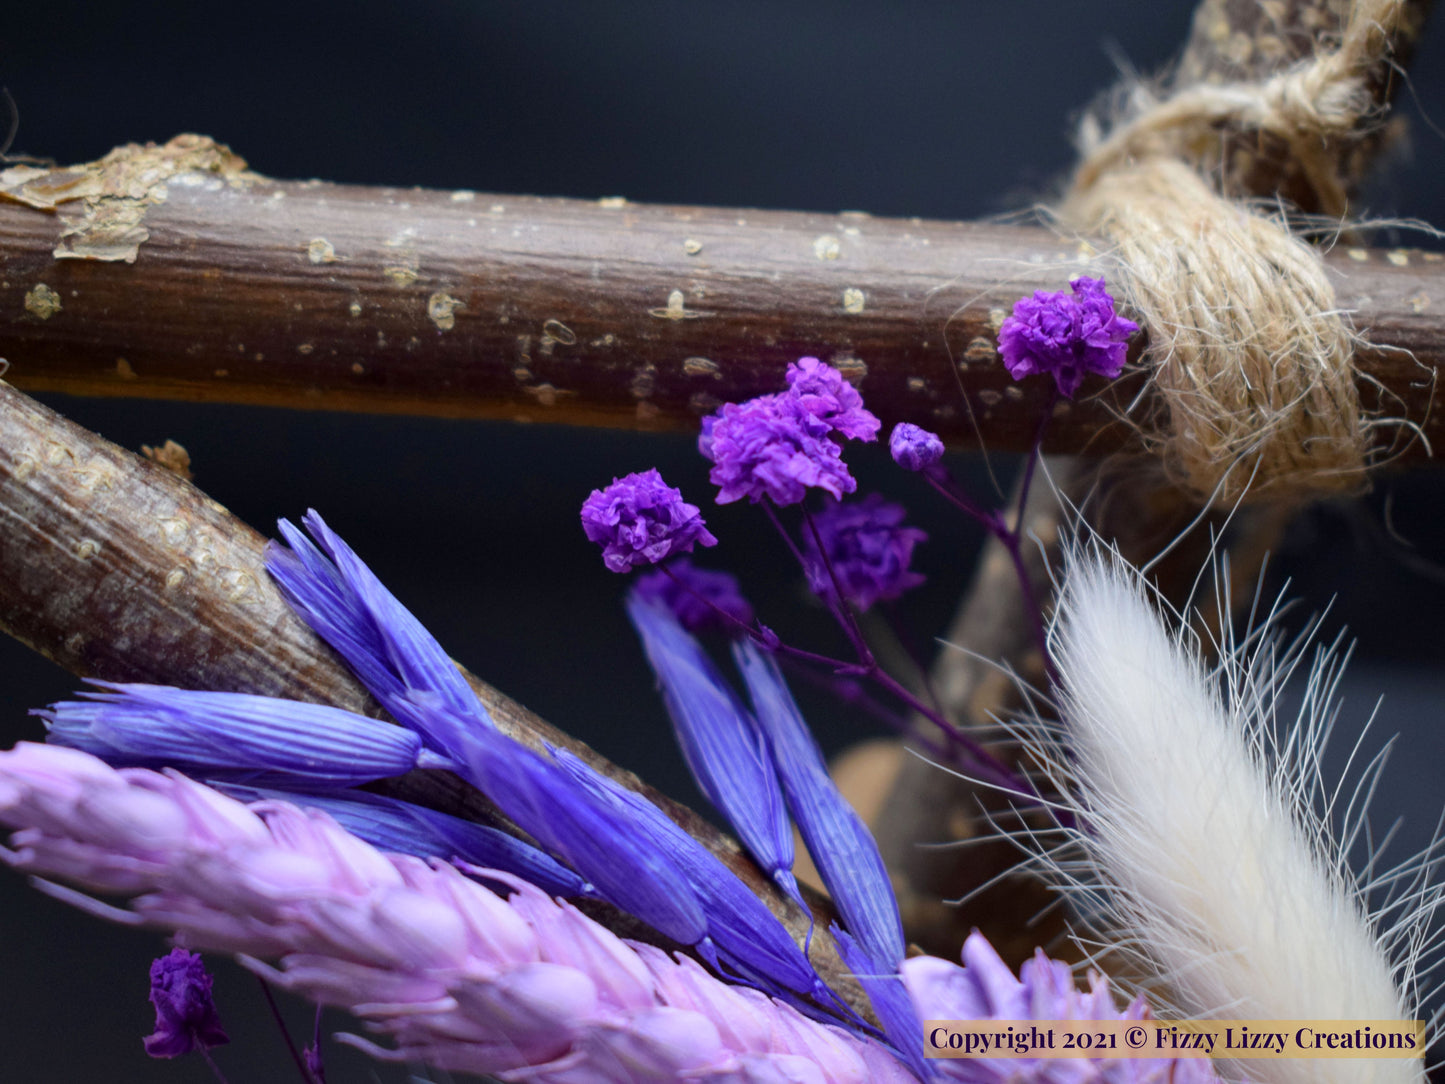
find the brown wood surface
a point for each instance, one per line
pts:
(312, 295)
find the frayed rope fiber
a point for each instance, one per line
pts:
(1252, 357)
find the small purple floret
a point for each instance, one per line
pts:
(868, 549)
(773, 447)
(825, 393)
(641, 520)
(695, 595)
(779, 446)
(913, 447)
(186, 1016)
(1066, 335)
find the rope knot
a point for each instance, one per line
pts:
(1252, 356)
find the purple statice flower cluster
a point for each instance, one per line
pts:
(862, 548)
(1066, 335)
(641, 520)
(777, 447)
(773, 448)
(186, 1017)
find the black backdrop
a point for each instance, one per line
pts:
(915, 107)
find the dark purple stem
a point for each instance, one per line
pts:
(319, 1073)
(285, 1034)
(837, 605)
(216, 1069)
(1035, 454)
(1009, 536)
(990, 767)
(1013, 541)
(856, 697)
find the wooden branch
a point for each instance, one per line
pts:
(117, 568)
(1245, 40)
(312, 295)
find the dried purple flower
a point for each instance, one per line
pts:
(825, 393)
(913, 447)
(780, 446)
(641, 520)
(695, 595)
(868, 549)
(773, 447)
(1066, 335)
(186, 1017)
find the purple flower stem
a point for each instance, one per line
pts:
(216, 1069)
(864, 701)
(285, 1034)
(1009, 538)
(910, 648)
(772, 514)
(1013, 541)
(990, 767)
(842, 612)
(1035, 454)
(318, 1074)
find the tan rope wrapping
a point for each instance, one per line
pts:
(1251, 356)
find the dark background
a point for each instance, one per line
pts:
(939, 109)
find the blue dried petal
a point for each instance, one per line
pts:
(720, 741)
(748, 936)
(404, 828)
(842, 847)
(380, 639)
(157, 726)
(590, 835)
(891, 1001)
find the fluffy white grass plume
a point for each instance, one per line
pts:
(1203, 849)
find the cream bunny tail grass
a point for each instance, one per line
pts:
(1203, 849)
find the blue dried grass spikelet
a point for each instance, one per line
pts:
(722, 744)
(257, 737)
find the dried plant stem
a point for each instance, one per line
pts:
(322, 296)
(117, 568)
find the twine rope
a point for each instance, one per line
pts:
(1252, 357)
